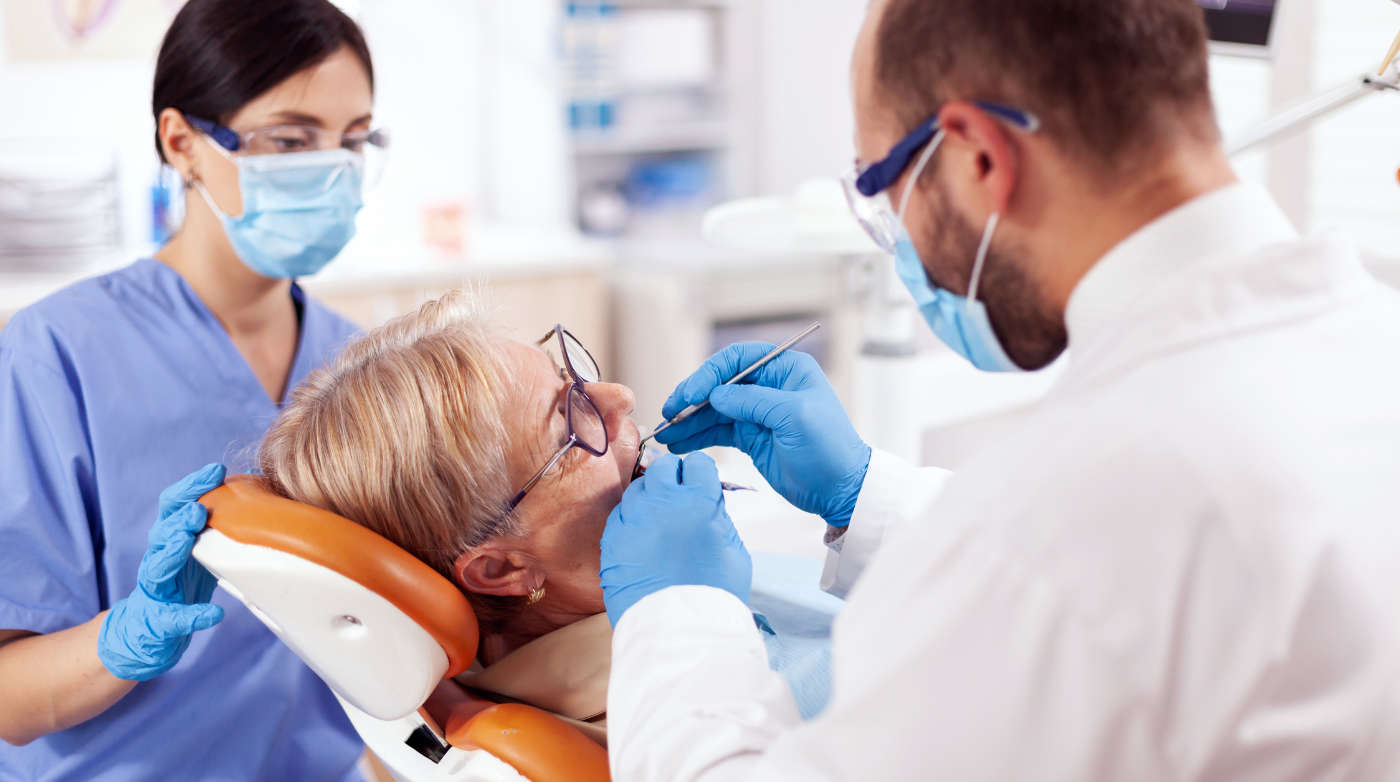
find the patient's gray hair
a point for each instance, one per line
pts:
(403, 433)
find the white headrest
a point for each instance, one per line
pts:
(368, 651)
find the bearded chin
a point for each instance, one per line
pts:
(1031, 331)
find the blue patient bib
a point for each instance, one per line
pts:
(795, 616)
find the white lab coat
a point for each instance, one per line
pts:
(1185, 565)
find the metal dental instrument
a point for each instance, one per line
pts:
(638, 470)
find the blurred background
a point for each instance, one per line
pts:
(560, 158)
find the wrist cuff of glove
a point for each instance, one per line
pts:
(116, 655)
(850, 491)
(115, 664)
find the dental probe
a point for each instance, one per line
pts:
(638, 470)
(754, 367)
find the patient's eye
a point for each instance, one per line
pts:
(561, 410)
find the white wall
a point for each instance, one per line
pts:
(103, 105)
(471, 91)
(1240, 87)
(1355, 153)
(427, 90)
(806, 127)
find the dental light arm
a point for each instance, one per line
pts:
(1300, 114)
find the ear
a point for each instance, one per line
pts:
(985, 156)
(179, 141)
(489, 570)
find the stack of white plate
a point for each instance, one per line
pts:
(59, 206)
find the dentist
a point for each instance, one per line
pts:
(1183, 565)
(114, 388)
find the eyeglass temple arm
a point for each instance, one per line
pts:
(520, 495)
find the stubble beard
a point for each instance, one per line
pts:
(1032, 332)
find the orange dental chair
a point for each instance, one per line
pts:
(383, 630)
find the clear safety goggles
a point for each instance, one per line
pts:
(866, 185)
(372, 146)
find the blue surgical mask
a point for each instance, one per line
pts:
(298, 209)
(961, 322)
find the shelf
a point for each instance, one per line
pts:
(716, 4)
(676, 138)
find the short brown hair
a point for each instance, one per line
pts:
(403, 433)
(1111, 80)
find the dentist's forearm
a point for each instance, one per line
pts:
(52, 682)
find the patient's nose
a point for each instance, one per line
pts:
(614, 401)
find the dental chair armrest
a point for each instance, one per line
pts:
(539, 745)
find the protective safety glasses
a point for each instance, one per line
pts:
(866, 186)
(585, 425)
(371, 145)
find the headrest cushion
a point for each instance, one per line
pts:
(249, 514)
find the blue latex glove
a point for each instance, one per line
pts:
(144, 635)
(786, 417)
(671, 529)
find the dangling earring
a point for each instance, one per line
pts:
(535, 596)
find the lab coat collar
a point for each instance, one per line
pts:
(1227, 223)
(1226, 264)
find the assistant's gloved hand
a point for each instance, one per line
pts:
(671, 529)
(144, 635)
(786, 417)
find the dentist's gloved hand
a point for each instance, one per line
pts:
(144, 635)
(786, 417)
(671, 529)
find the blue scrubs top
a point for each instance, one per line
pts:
(111, 390)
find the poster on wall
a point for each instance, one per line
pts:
(86, 29)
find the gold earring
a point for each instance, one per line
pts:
(535, 596)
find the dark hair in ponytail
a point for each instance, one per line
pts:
(218, 55)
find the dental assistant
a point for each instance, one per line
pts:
(1183, 564)
(116, 387)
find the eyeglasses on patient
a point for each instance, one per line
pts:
(586, 427)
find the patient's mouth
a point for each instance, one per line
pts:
(632, 434)
(639, 470)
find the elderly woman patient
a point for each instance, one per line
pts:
(496, 462)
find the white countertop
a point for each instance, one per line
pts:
(493, 252)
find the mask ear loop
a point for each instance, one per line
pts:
(982, 251)
(918, 172)
(198, 185)
(191, 181)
